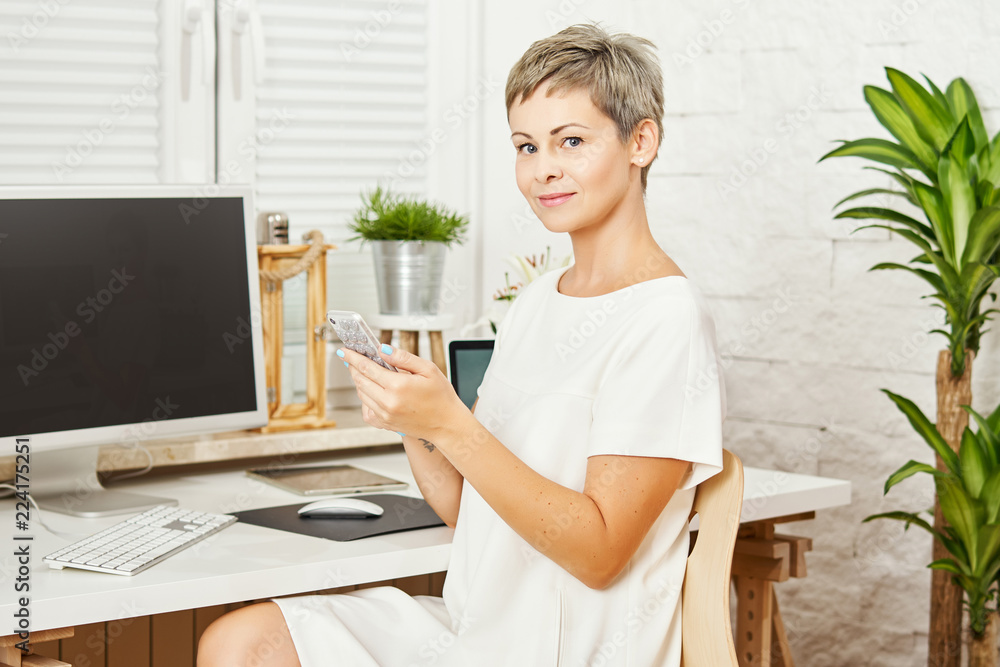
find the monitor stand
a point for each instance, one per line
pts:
(65, 480)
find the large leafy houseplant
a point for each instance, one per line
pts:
(969, 493)
(945, 164)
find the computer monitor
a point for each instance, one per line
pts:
(469, 360)
(127, 314)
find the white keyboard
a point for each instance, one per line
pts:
(137, 543)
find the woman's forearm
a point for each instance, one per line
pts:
(438, 480)
(563, 524)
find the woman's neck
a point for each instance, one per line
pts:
(614, 255)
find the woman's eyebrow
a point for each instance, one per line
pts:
(563, 127)
(554, 131)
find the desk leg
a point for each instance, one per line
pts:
(755, 604)
(781, 656)
(11, 656)
(761, 559)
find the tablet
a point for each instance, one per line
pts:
(469, 361)
(326, 480)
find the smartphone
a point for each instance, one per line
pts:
(357, 335)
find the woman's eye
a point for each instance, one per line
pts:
(526, 148)
(573, 142)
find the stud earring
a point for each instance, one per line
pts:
(641, 160)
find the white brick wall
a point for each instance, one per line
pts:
(803, 390)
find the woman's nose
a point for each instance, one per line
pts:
(547, 167)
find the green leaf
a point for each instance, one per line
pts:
(931, 277)
(947, 564)
(974, 463)
(908, 469)
(976, 279)
(961, 145)
(874, 191)
(990, 497)
(984, 195)
(938, 95)
(992, 173)
(932, 201)
(984, 235)
(917, 240)
(926, 429)
(994, 421)
(933, 121)
(947, 273)
(960, 512)
(953, 544)
(872, 212)
(878, 150)
(894, 118)
(907, 517)
(963, 103)
(992, 198)
(903, 179)
(987, 438)
(989, 545)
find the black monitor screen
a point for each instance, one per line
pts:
(122, 311)
(469, 361)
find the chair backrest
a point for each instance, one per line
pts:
(705, 621)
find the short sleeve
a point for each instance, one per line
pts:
(662, 393)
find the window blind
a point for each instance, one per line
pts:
(81, 85)
(340, 107)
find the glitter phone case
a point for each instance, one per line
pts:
(357, 335)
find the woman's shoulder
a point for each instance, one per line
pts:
(668, 310)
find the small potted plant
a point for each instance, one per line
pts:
(410, 237)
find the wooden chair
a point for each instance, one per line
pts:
(706, 624)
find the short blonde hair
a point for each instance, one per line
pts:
(620, 71)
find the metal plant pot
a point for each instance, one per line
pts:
(408, 275)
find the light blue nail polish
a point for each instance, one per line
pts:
(340, 353)
(346, 364)
(386, 349)
(401, 434)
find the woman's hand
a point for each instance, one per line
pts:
(414, 401)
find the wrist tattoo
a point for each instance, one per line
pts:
(428, 444)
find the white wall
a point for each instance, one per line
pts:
(807, 333)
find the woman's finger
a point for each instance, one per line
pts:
(366, 367)
(406, 361)
(372, 391)
(370, 417)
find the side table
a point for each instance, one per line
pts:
(410, 326)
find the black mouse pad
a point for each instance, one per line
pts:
(401, 513)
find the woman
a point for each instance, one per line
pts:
(570, 485)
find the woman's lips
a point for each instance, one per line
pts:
(555, 199)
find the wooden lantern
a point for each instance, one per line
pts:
(278, 263)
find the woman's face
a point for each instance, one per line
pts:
(571, 165)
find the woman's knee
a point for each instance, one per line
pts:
(254, 636)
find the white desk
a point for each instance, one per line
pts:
(246, 562)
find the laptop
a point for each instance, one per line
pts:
(469, 360)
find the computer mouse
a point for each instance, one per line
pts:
(341, 508)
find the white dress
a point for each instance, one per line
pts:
(636, 373)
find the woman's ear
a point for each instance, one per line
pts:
(645, 143)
